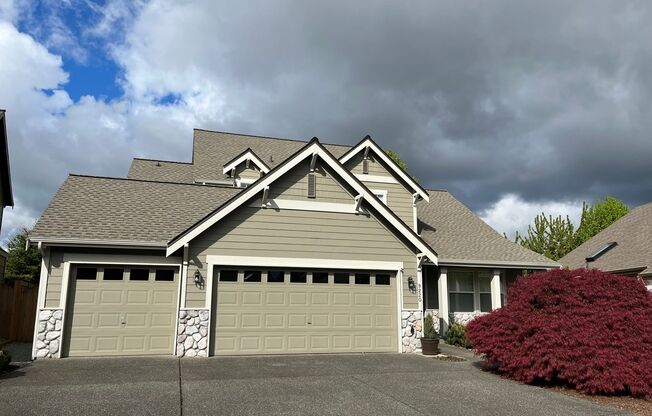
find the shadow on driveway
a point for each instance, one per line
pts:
(370, 384)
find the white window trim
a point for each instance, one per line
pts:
(476, 289)
(381, 194)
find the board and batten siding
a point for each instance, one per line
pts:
(399, 198)
(294, 185)
(242, 172)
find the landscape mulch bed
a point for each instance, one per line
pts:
(630, 404)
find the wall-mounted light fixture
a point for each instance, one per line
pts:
(199, 281)
(412, 287)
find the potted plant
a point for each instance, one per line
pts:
(430, 340)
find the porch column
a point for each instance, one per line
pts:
(442, 285)
(495, 290)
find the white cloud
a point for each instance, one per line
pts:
(511, 213)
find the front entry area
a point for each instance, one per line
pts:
(121, 310)
(286, 311)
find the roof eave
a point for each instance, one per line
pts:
(498, 264)
(5, 173)
(53, 241)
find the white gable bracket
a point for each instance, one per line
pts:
(265, 195)
(313, 162)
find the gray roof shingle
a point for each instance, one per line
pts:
(115, 209)
(213, 149)
(161, 170)
(633, 233)
(458, 235)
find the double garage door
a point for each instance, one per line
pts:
(115, 310)
(274, 311)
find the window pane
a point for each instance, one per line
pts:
(341, 278)
(275, 276)
(431, 281)
(164, 275)
(319, 277)
(86, 273)
(484, 284)
(252, 276)
(139, 274)
(298, 277)
(485, 302)
(362, 278)
(382, 279)
(461, 302)
(228, 275)
(113, 274)
(460, 282)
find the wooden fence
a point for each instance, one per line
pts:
(17, 310)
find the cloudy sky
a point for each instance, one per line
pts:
(514, 106)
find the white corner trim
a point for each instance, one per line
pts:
(363, 177)
(299, 205)
(40, 299)
(298, 262)
(65, 280)
(399, 306)
(368, 143)
(248, 155)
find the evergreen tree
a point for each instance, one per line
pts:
(599, 216)
(552, 237)
(23, 262)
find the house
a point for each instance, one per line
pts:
(261, 245)
(623, 248)
(6, 195)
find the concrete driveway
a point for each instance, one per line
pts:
(282, 385)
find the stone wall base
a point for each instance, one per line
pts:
(192, 333)
(464, 317)
(48, 338)
(411, 331)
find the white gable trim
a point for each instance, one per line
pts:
(248, 155)
(367, 143)
(311, 149)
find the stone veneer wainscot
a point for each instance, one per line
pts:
(48, 340)
(192, 333)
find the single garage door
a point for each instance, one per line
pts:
(115, 310)
(302, 311)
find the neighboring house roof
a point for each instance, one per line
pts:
(213, 149)
(311, 150)
(461, 237)
(633, 251)
(123, 211)
(161, 170)
(368, 143)
(247, 155)
(5, 172)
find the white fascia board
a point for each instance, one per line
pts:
(297, 262)
(380, 153)
(126, 259)
(363, 177)
(248, 155)
(96, 243)
(499, 264)
(266, 180)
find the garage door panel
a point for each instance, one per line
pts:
(120, 317)
(303, 317)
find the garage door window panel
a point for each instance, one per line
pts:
(139, 274)
(87, 273)
(299, 277)
(275, 276)
(382, 280)
(164, 275)
(362, 278)
(113, 274)
(320, 277)
(252, 276)
(227, 275)
(341, 278)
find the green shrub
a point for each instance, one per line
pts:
(5, 359)
(456, 335)
(429, 327)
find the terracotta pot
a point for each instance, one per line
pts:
(430, 346)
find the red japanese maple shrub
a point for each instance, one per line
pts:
(582, 328)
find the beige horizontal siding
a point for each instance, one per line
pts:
(301, 234)
(243, 172)
(399, 199)
(55, 275)
(375, 167)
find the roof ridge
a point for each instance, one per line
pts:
(162, 160)
(149, 181)
(269, 137)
